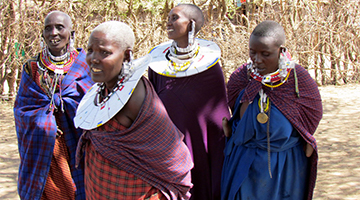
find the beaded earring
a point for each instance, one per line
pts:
(284, 62)
(127, 68)
(72, 42)
(191, 34)
(42, 43)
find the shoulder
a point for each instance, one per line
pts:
(31, 65)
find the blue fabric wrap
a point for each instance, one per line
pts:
(245, 174)
(36, 128)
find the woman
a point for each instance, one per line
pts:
(188, 78)
(276, 109)
(133, 150)
(52, 85)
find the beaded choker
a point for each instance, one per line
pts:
(175, 48)
(58, 58)
(282, 74)
(58, 67)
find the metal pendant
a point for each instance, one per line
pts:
(262, 118)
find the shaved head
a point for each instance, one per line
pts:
(272, 29)
(193, 12)
(118, 32)
(67, 17)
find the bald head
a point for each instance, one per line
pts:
(67, 18)
(272, 29)
(193, 12)
(117, 32)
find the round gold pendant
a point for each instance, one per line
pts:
(262, 117)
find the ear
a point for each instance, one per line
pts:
(190, 25)
(127, 55)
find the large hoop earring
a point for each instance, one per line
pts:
(191, 34)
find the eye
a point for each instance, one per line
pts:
(59, 27)
(266, 54)
(89, 50)
(106, 52)
(48, 28)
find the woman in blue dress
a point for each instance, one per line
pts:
(276, 109)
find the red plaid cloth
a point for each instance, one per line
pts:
(151, 149)
(304, 113)
(104, 180)
(59, 184)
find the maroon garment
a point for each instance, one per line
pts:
(304, 112)
(197, 104)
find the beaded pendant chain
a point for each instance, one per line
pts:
(99, 99)
(60, 67)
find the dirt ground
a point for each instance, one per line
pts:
(338, 137)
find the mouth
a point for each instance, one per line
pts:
(55, 41)
(95, 70)
(169, 30)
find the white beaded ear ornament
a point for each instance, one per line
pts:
(127, 68)
(42, 43)
(72, 42)
(191, 34)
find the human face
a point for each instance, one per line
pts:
(178, 26)
(105, 58)
(264, 53)
(57, 33)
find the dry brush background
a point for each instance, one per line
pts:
(322, 35)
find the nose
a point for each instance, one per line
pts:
(54, 31)
(257, 58)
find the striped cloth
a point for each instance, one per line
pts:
(36, 128)
(304, 113)
(151, 149)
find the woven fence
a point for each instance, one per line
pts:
(322, 35)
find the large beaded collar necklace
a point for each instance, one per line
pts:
(94, 111)
(200, 56)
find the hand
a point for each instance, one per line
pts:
(226, 127)
(308, 150)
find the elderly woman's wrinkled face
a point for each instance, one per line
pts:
(57, 33)
(105, 58)
(177, 25)
(264, 53)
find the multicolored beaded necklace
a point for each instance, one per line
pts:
(175, 59)
(282, 74)
(59, 67)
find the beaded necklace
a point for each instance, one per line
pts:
(280, 75)
(59, 67)
(185, 64)
(100, 99)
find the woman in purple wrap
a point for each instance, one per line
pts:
(188, 78)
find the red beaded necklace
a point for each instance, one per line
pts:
(58, 67)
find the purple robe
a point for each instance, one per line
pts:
(196, 104)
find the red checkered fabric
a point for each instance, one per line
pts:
(59, 184)
(104, 180)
